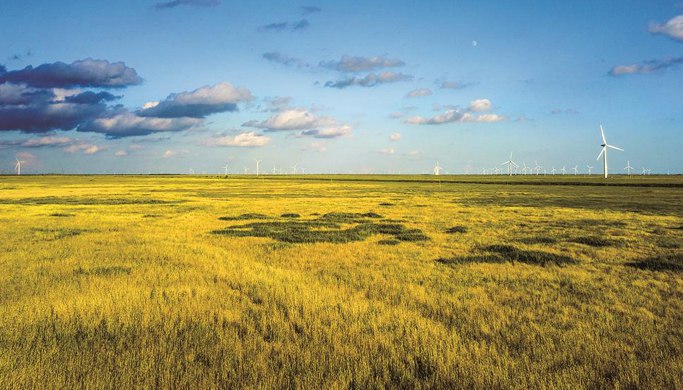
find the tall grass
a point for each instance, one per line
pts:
(540, 286)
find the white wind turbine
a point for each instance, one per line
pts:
(525, 169)
(576, 170)
(563, 170)
(590, 168)
(294, 169)
(553, 171)
(226, 169)
(437, 169)
(537, 168)
(18, 166)
(257, 166)
(628, 168)
(603, 152)
(510, 163)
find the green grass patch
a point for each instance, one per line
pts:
(388, 242)
(512, 253)
(327, 228)
(456, 229)
(537, 240)
(290, 215)
(246, 216)
(596, 241)
(667, 262)
(103, 271)
(62, 215)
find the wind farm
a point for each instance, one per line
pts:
(206, 194)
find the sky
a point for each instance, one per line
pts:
(185, 86)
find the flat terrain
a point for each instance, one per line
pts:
(341, 282)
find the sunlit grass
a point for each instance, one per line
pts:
(327, 282)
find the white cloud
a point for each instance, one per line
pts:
(490, 118)
(169, 153)
(85, 148)
(128, 124)
(447, 117)
(47, 141)
(395, 136)
(216, 94)
(673, 28)
(387, 151)
(247, 139)
(647, 67)
(120, 153)
(480, 105)
(361, 64)
(316, 146)
(420, 92)
(330, 132)
(294, 119)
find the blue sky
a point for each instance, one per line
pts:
(174, 86)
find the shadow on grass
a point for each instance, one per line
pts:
(596, 241)
(331, 227)
(668, 262)
(243, 217)
(509, 253)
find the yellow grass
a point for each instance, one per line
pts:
(121, 282)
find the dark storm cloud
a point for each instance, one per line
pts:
(195, 3)
(83, 73)
(40, 116)
(90, 97)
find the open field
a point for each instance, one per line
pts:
(341, 282)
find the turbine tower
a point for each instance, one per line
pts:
(628, 168)
(525, 169)
(590, 168)
(437, 169)
(603, 152)
(18, 166)
(563, 170)
(226, 169)
(553, 171)
(257, 166)
(537, 168)
(576, 170)
(510, 163)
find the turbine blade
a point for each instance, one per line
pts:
(602, 132)
(513, 163)
(601, 152)
(614, 147)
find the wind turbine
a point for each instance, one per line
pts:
(226, 169)
(18, 166)
(576, 170)
(603, 152)
(537, 167)
(590, 168)
(525, 169)
(437, 169)
(628, 167)
(294, 169)
(510, 163)
(257, 166)
(563, 170)
(644, 171)
(553, 171)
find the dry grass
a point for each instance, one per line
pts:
(119, 282)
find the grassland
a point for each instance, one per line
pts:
(341, 282)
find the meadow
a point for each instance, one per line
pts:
(341, 282)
